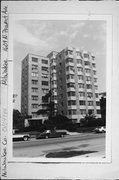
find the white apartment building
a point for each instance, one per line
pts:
(77, 88)
(35, 83)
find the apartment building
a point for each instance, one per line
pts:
(53, 78)
(77, 89)
(35, 83)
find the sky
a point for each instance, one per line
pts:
(40, 37)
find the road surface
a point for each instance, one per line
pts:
(68, 146)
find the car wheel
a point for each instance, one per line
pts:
(25, 138)
(46, 137)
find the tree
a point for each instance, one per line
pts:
(48, 106)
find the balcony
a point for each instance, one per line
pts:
(81, 89)
(80, 73)
(80, 81)
(88, 82)
(53, 78)
(89, 90)
(69, 56)
(98, 107)
(53, 71)
(72, 107)
(69, 64)
(70, 80)
(82, 98)
(70, 89)
(53, 63)
(70, 72)
(82, 106)
(53, 85)
(71, 98)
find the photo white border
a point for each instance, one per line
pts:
(111, 56)
(108, 20)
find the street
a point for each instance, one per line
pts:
(69, 146)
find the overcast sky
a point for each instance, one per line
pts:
(41, 37)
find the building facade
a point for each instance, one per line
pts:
(77, 89)
(35, 83)
(53, 78)
(71, 77)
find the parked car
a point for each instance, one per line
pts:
(50, 134)
(63, 131)
(100, 130)
(24, 137)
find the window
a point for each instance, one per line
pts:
(98, 111)
(53, 60)
(71, 93)
(53, 67)
(80, 77)
(45, 83)
(87, 70)
(93, 64)
(79, 69)
(70, 68)
(70, 85)
(78, 53)
(43, 68)
(44, 99)
(87, 63)
(89, 95)
(82, 102)
(34, 59)
(70, 76)
(45, 91)
(81, 85)
(53, 74)
(54, 98)
(94, 72)
(93, 57)
(69, 60)
(34, 81)
(90, 103)
(34, 89)
(88, 78)
(35, 98)
(71, 102)
(95, 79)
(86, 55)
(96, 87)
(68, 52)
(96, 95)
(88, 86)
(83, 111)
(44, 61)
(34, 67)
(97, 103)
(72, 111)
(82, 94)
(79, 61)
(45, 76)
(54, 82)
(34, 74)
(34, 105)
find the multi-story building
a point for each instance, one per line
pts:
(77, 89)
(71, 77)
(53, 78)
(35, 83)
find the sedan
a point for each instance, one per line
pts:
(49, 134)
(100, 130)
